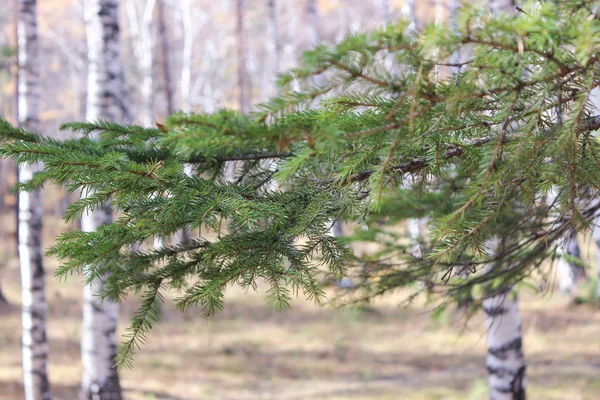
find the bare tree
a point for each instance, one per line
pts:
(35, 345)
(106, 100)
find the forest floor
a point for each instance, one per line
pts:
(249, 351)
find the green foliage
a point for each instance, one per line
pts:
(474, 147)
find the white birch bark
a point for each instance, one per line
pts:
(143, 36)
(569, 271)
(384, 10)
(452, 10)
(273, 51)
(106, 100)
(415, 228)
(502, 5)
(34, 307)
(165, 56)
(439, 11)
(274, 33)
(312, 13)
(409, 11)
(439, 18)
(3, 300)
(185, 89)
(505, 359)
(141, 28)
(244, 86)
(595, 100)
(186, 58)
(146, 60)
(596, 236)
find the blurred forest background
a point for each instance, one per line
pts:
(201, 55)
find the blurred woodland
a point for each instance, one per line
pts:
(198, 55)
(193, 53)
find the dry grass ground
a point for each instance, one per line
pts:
(251, 352)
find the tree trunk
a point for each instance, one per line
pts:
(570, 271)
(3, 300)
(98, 344)
(384, 9)
(274, 33)
(452, 11)
(415, 228)
(243, 78)
(312, 13)
(273, 51)
(596, 235)
(439, 6)
(186, 83)
(502, 5)
(146, 62)
(164, 57)
(35, 345)
(143, 49)
(505, 359)
(186, 59)
(409, 11)
(105, 101)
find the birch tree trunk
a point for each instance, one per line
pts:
(3, 300)
(415, 228)
(186, 84)
(243, 78)
(596, 235)
(274, 33)
(409, 11)
(452, 11)
(273, 51)
(164, 57)
(505, 359)
(384, 9)
(186, 58)
(312, 13)
(439, 6)
(569, 270)
(144, 53)
(595, 98)
(502, 5)
(106, 100)
(35, 345)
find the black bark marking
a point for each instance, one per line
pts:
(494, 311)
(502, 352)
